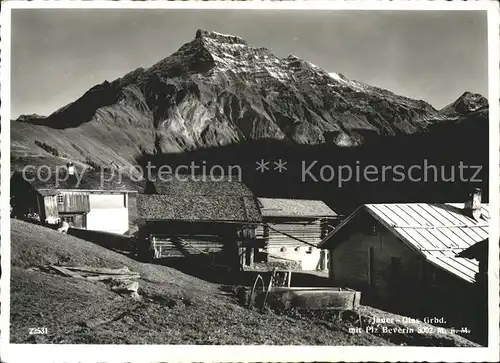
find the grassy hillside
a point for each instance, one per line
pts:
(175, 308)
(97, 142)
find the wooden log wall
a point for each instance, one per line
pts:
(310, 232)
(74, 202)
(184, 246)
(50, 207)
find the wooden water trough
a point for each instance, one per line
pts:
(314, 298)
(280, 295)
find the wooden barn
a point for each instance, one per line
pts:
(87, 203)
(291, 231)
(404, 256)
(26, 200)
(187, 217)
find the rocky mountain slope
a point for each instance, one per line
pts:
(218, 90)
(467, 104)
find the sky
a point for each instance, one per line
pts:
(58, 54)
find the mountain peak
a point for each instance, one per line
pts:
(470, 96)
(218, 90)
(468, 102)
(219, 37)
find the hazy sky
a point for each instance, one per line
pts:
(59, 54)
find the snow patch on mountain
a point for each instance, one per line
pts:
(340, 78)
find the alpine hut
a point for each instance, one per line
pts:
(84, 200)
(197, 217)
(291, 231)
(404, 255)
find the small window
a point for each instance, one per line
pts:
(370, 229)
(60, 199)
(69, 219)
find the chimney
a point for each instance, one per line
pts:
(71, 168)
(472, 207)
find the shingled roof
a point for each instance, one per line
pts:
(277, 207)
(197, 208)
(186, 198)
(436, 231)
(197, 185)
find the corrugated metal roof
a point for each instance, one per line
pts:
(436, 231)
(276, 207)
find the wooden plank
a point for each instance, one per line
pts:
(292, 237)
(100, 270)
(241, 255)
(279, 257)
(74, 202)
(185, 246)
(251, 251)
(65, 271)
(112, 277)
(96, 274)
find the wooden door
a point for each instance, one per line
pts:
(79, 221)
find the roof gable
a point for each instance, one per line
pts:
(436, 231)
